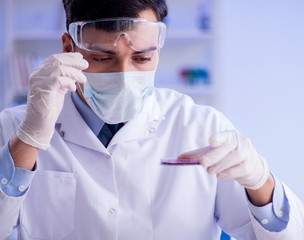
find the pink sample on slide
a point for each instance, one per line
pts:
(180, 161)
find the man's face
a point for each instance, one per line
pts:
(122, 57)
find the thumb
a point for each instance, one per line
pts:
(67, 84)
(229, 137)
(218, 139)
(195, 154)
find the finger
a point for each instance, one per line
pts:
(223, 143)
(218, 139)
(235, 172)
(195, 154)
(229, 137)
(59, 71)
(72, 59)
(231, 160)
(66, 84)
(60, 83)
(74, 74)
(216, 155)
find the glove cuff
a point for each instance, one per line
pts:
(264, 175)
(38, 142)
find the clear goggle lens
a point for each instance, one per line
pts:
(104, 35)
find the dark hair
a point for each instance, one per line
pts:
(81, 10)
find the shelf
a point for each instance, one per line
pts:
(34, 33)
(186, 34)
(37, 36)
(182, 34)
(193, 90)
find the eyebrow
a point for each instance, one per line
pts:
(150, 49)
(99, 49)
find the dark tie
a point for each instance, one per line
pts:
(107, 132)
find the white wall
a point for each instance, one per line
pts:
(260, 71)
(2, 51)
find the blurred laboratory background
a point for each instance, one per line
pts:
(246, 58)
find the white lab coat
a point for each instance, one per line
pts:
(84, 191)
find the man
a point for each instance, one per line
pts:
(83, 159)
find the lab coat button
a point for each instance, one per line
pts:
(108, 156)
(62, 133)
(112, 210)
(152, 130)
(21, 188)
(280, 214)
(4, 181)
(265, 221)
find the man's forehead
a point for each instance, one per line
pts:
(148, 14)
(101, 38)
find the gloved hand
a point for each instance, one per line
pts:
(48, 85)
(232, 156)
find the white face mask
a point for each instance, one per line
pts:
(120, 96)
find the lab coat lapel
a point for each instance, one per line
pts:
(74, 129)
(142, 126)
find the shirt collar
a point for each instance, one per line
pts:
(93, 121)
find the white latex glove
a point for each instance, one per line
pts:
(48, 85)
(232, 156)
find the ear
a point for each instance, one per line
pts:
(67, 43)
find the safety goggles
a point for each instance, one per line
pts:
(105, 34)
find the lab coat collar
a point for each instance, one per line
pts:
(143, 125)
(73, 128)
